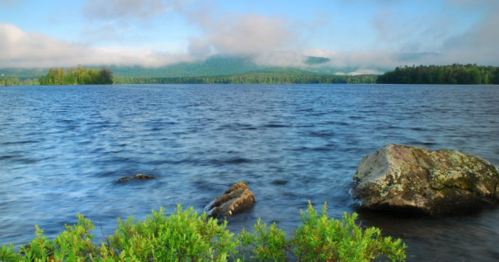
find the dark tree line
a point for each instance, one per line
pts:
(251, 79)
(455, 74)
(77, 76)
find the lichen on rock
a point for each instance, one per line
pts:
(398, 177)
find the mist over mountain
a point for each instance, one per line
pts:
(219, 65)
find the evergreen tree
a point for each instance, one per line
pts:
(470, 74)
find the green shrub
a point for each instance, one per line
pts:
(39, 249)
(7, 253)
(265, 244)
(324, 239)
(183, 236)
(321, 239)
(187, 236)
(76, 242)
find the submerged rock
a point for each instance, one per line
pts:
(235, 199)
(415, 179)
(138, 176)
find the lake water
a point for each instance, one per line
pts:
(63, 148)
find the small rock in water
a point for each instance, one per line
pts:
(280, 182)
(138, 176)
(235, 199)
(404, 178)
(141, 176)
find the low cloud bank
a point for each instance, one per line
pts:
(272, 40)
(33, 50)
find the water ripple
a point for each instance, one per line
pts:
(62, 149)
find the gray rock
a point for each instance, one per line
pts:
(235, 199)
(415, 179)
(136, 177)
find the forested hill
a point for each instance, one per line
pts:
(212, 66)
(243, 70)
(450, 74)
(216, 69)
(218, 65)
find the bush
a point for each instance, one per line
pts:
(187, 236)
(321, 239)
(7, 253)
(183, 236)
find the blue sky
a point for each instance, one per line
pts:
(362, 34)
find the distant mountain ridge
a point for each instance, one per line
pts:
(236, 64)
(22, 73)
(212, 66)
(218, 65)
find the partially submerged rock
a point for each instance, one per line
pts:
(407, 178)
(138, 176)
(235, 199)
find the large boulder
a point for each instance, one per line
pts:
(404, 178)
(235, 199)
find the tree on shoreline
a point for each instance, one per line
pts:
(455, 74)
(78, 76)
(14, 81)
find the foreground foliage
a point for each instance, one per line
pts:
(187, 236)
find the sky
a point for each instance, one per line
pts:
(362, 34)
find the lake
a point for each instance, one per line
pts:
(63, 148)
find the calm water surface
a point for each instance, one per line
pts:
(63, 148)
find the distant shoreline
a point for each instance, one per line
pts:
(455, 74)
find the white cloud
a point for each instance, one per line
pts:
(474, 4)
(106, 32)
(402, 32)
(122, 26)
(319, 52)
(147, 58)
(11, 3)
(282, 58)
(128, 9)
(477, 45)
(140, 25)
(245, 33)
(22, 49)
(438, 36)
(364, 71)
(199, 47)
